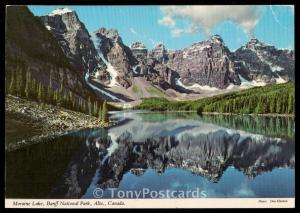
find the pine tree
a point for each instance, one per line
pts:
(12, 85)
(90, 106)
(104, 112)
(50, 79)
(60, 93)
(55, 97)
(259, 108)
(27, 86)
(291, 102)
(278, 106)
(95, 107)
(49, 90)
(65, 100)
(71, 99)
(40, 92)
(272, 105)
(17, 77)
(100, 114)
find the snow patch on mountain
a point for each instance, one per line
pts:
(100, 90)
(48, 27)
(280, 80)
(253, 83)
(134, 69)
(60, 11)
(110, 69)
(194, 49)
(275, 68)
(195, 86)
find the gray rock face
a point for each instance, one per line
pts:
(159, 53)
(259, 61)
(206, 63)
(140, 52)
(152, 65)
(117, 54)
(73, 38)
(40, 54)
(160, 74)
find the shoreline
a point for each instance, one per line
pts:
(39, 139)
(29, 122)
(251, 114)
(217, 113)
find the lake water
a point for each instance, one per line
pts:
(159, 155)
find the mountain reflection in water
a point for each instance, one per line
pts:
(162, 144)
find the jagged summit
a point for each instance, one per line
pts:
(137, 45)
(216, 38)
(159, 52)
(205, 63)
(73, 38)
(264, 62)
(60, 11)
(254, 42)
(160, 45)
(111, 34)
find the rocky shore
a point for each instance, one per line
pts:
(28, 122)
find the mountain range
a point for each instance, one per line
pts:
(121, 73)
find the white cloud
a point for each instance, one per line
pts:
(177, 32)
(204, 18)
(133, 31)
(167, 21)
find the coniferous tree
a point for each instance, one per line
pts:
(56, 97)
(49, 90)
(89, 106)
(272, 105)
(28, 83)
(104, 112)
(95, 107)
(278, 106)
(60, 94)
(100, 114)
(12, 86)
(291, 102)
(40, 92)
(17, 76)
(65, 99)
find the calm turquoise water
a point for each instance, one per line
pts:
(174, 154)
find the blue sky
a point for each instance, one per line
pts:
(273, 25)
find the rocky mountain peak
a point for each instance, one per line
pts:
(264, 62)
(73, 38)
(216, 39)
(137, 45)
(159, 53)
(254, 43)
(139, 51)
(111, 34)
(60, 11)
(205, 63)
(117, 54)
(160, 46)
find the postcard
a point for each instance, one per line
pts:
(149, 106)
